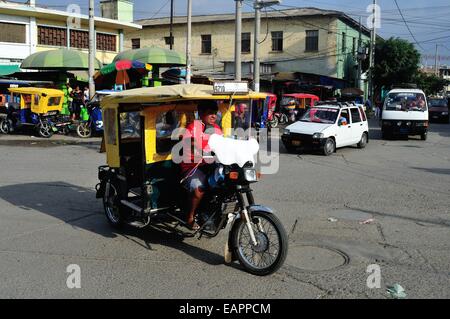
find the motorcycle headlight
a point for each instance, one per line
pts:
(399, 123)
(250, 175)
(286, 132)
(317, 135)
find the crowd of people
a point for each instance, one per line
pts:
(76, 99)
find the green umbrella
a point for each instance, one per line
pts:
(154, 55)
(59, 59)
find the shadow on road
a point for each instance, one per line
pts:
(75, 205)
(443, 171)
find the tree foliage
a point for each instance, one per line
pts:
(430, 84)
(396, 61)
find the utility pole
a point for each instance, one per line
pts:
(237, 42)
(358, 55)
(257, 7)
(259, 4)
(188, 42)
(91, 49)
(436, 70)
(171, 25)
(372, 52)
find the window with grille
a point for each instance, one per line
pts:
(277, 41)
(12, 32)
(52, 36)
(206, 43)
(245, 42)
(312, 40)
(79, 39)
(106, 42)
(135, 43)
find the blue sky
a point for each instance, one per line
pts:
(428, 20)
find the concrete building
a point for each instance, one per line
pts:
(309, 41)
(444, 72)
(26, 28)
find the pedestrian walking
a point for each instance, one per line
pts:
(77, 103)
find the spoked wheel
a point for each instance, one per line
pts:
(270, 252)
(283, 119)
(45, 129)
(111, 204)
(274, 122)
(84, 129)
(5, 126)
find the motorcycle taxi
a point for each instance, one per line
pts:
(140, 186)
(91, 122)
(36, 108)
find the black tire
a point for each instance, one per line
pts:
(239, 243)
(84, 129)
(45, 129)
(385, 135)
(289, 148)
(5, 126)
(329, 147)
(363, 142)
(111, 204)
(424, 136)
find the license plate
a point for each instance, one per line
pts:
(296, 143)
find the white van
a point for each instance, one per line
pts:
(405, 112)
(327, 127)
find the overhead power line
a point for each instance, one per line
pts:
(407, 26)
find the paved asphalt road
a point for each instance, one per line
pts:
(49, 219)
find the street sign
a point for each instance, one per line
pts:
(230, 87)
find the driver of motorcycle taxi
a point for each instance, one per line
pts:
(197, 135)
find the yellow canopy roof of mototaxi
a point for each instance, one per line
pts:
(173, 93)
(35, 90)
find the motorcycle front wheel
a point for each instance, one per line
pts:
(84, 129)
(270, 252)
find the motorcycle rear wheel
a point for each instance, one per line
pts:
(5, 126)
(45, 129)
(283, 119)
(270, 253)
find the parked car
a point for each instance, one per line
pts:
(438, 109)
(328, 126)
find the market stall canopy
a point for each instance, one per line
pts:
(119, 72)
(153, 55)
(7, 69)
(61, 59)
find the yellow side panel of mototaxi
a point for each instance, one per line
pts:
(111, 136)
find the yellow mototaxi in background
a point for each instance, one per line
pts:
(33, 107)
(141, 183)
